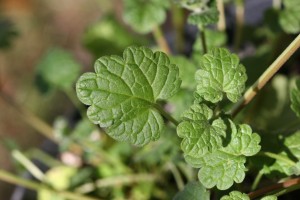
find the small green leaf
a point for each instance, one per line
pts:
(220, 73)
(193, 191)
(295, 98)
(289, 18)
(144, 16)
(204, 146)
(204, 18)
(236, 195)
(59, 69)
(123, 92)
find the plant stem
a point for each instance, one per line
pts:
(23, 160)
(176, 174)
(239, 19)
(203, 39)
(277, 157)
(279, 186)
(8, 177)
(265, 77)
(166, 115)
(117, 181)
(257, 179)
(178, 23)
(277, 4)
(30, 118)
(221, 23)
(160, 40)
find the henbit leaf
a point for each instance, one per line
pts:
(144, 16)
(289, 18)
(236, 195)
(220, 73)
(199, 136)
(122, 94)
(59, 69)
(295, 98)
(193, 190)
(203, 148)
(204, 18)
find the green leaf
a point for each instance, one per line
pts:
(203, 147)
(204, 18)
(122, 94)
(58, 68)
(295, 98)
(200, 137)
(193, 190)
(289, 18)
(144, 16)
(220, 74)
(236, 195)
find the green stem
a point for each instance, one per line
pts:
(287, 186)
(177, 176)
(287, 190)
(34, 170)
(222, 22)
(203, 39)
(43, 157)
(278, 157)
(160, 40)
(239, 18)
(10, 178)
(178, 23)
(117, 181)
(265, 77)
(166, 115)
(257, 179)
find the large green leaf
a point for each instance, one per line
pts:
(295, 98)
(193, 191)
(220, 74)
(289, 18)
(58, 69)
(144, 16)
(122, 94)
(219, 148)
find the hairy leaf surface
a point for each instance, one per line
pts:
(122, 94)
(220, 74)
(144, 16)
(236, 195)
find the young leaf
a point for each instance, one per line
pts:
(204, 18)
(295, 98)
(59, 69)
(220, 73)
(193, 190)
(236, 195)
(270, 197)
(203, 142)
(289, 18)
(122, 94)
(144, 16)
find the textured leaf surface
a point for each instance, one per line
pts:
(236, 195)
(58, 68)
(204, 18)
(295, 98)
(220, 74)
(193, 190)
(271, 197)
(123, 92)
(289, 18)
(203, 146)
(144, 16)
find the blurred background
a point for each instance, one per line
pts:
(44, 47)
